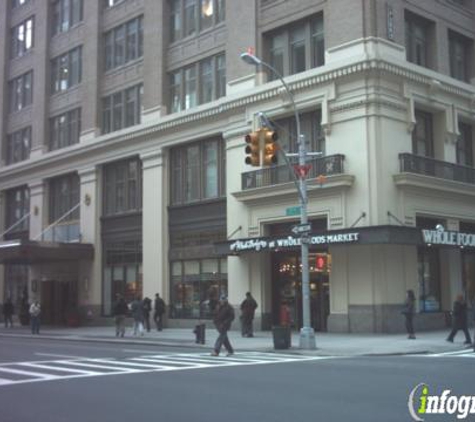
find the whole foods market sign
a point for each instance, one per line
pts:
(440, 236)
(262, 244)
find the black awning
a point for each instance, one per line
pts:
(373, 235)
(31, 252)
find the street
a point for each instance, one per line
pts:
(44, 380)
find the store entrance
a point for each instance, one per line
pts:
(287, 289)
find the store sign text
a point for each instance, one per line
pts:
(290, 241)
(441, 237)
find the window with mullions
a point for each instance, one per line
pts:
(296, 47)
(64, 195)
(66, 70)
(20, 92)
(460, 56)
(464, 145)
(21, 38)
(18, 3)
(17, 207)
(65, 129)
(422, 135)
(122, 109)
(123, 187)
(111, 3)
(66, 14)
(198, 83)
(122, 272)
(189, 17)
(19, 145)
(196, 286)
(198, 172)
(124, 43)
(419, 33)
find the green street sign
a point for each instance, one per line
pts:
(292, 211)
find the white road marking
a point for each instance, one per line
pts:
(91, 367)
(61, 356)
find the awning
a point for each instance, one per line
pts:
(20, 251)
(372, 235)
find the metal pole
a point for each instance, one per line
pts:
(307, 335)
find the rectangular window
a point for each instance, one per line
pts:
(18, 3)
(123, 187)
(66, 14)
(66, 70)
(17, 207)
(296, 47)
(64, 195)
(422, 135)
(124, 43)
(418, 38)
(65, 129)
(465, 145)
(196, 286)
(22, 38)
(19, 145)
(122, 109)
(21, 92)
(199, 83)
(111, 3)
(189, 17)
(460, 49)
(198, 172)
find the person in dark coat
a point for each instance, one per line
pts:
(120, 313)
(408, 312)
(8, 311)
(159, 307)
(136, 308)
(147, 308)
(222, 320)
(459, 320)
(248, 309)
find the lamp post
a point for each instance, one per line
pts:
(307, 335)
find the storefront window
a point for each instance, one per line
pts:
(196, 286)
(122, 273)
(429, 279)
(16, 285)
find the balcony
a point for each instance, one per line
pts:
(410, 163)
(271, 176)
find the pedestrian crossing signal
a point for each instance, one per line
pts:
(253, 149)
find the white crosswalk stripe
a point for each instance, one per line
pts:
(467, 353)
(25, 372)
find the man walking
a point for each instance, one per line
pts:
(8, 311)
(147, 308)
(120, 312)
(35, 312)
(136, 309)
(459, 316)
(159, 306)
(223, 319)
(248, 309)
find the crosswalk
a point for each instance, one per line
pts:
(48, 370)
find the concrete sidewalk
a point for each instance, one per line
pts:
(327, 343)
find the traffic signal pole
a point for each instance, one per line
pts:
(307, 335)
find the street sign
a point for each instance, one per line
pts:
(301, 228)
(292, 211)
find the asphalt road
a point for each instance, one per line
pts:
(51, 381)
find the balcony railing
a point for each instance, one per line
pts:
(328, 165)
(427, 166)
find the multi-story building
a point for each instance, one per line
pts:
(122, 156)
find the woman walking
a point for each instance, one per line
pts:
(408, 312)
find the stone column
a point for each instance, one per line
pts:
(154, 237)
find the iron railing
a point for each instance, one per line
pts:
(275, 175)
(427, 166)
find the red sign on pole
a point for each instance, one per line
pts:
(302, 171)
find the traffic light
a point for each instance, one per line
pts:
(270, 147)
(253, 149)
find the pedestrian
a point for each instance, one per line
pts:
(120, 313)
(8, 311)
(248, 309)
(459, 320)
(136, 308)
(147, 308)
(408, 312)
(222, 320)
(35, 314)
(159, 307)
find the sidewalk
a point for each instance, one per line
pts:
(328, 344)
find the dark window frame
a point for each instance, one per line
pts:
(18, 145)
(17, 205)
(63, 196)
(464, 145)
(21, 91)
(18, 3)
(66, 70)
(66, 14)
(19, 47)
(423, 134)
(460, 56)
(419, 39)
(65, 129)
